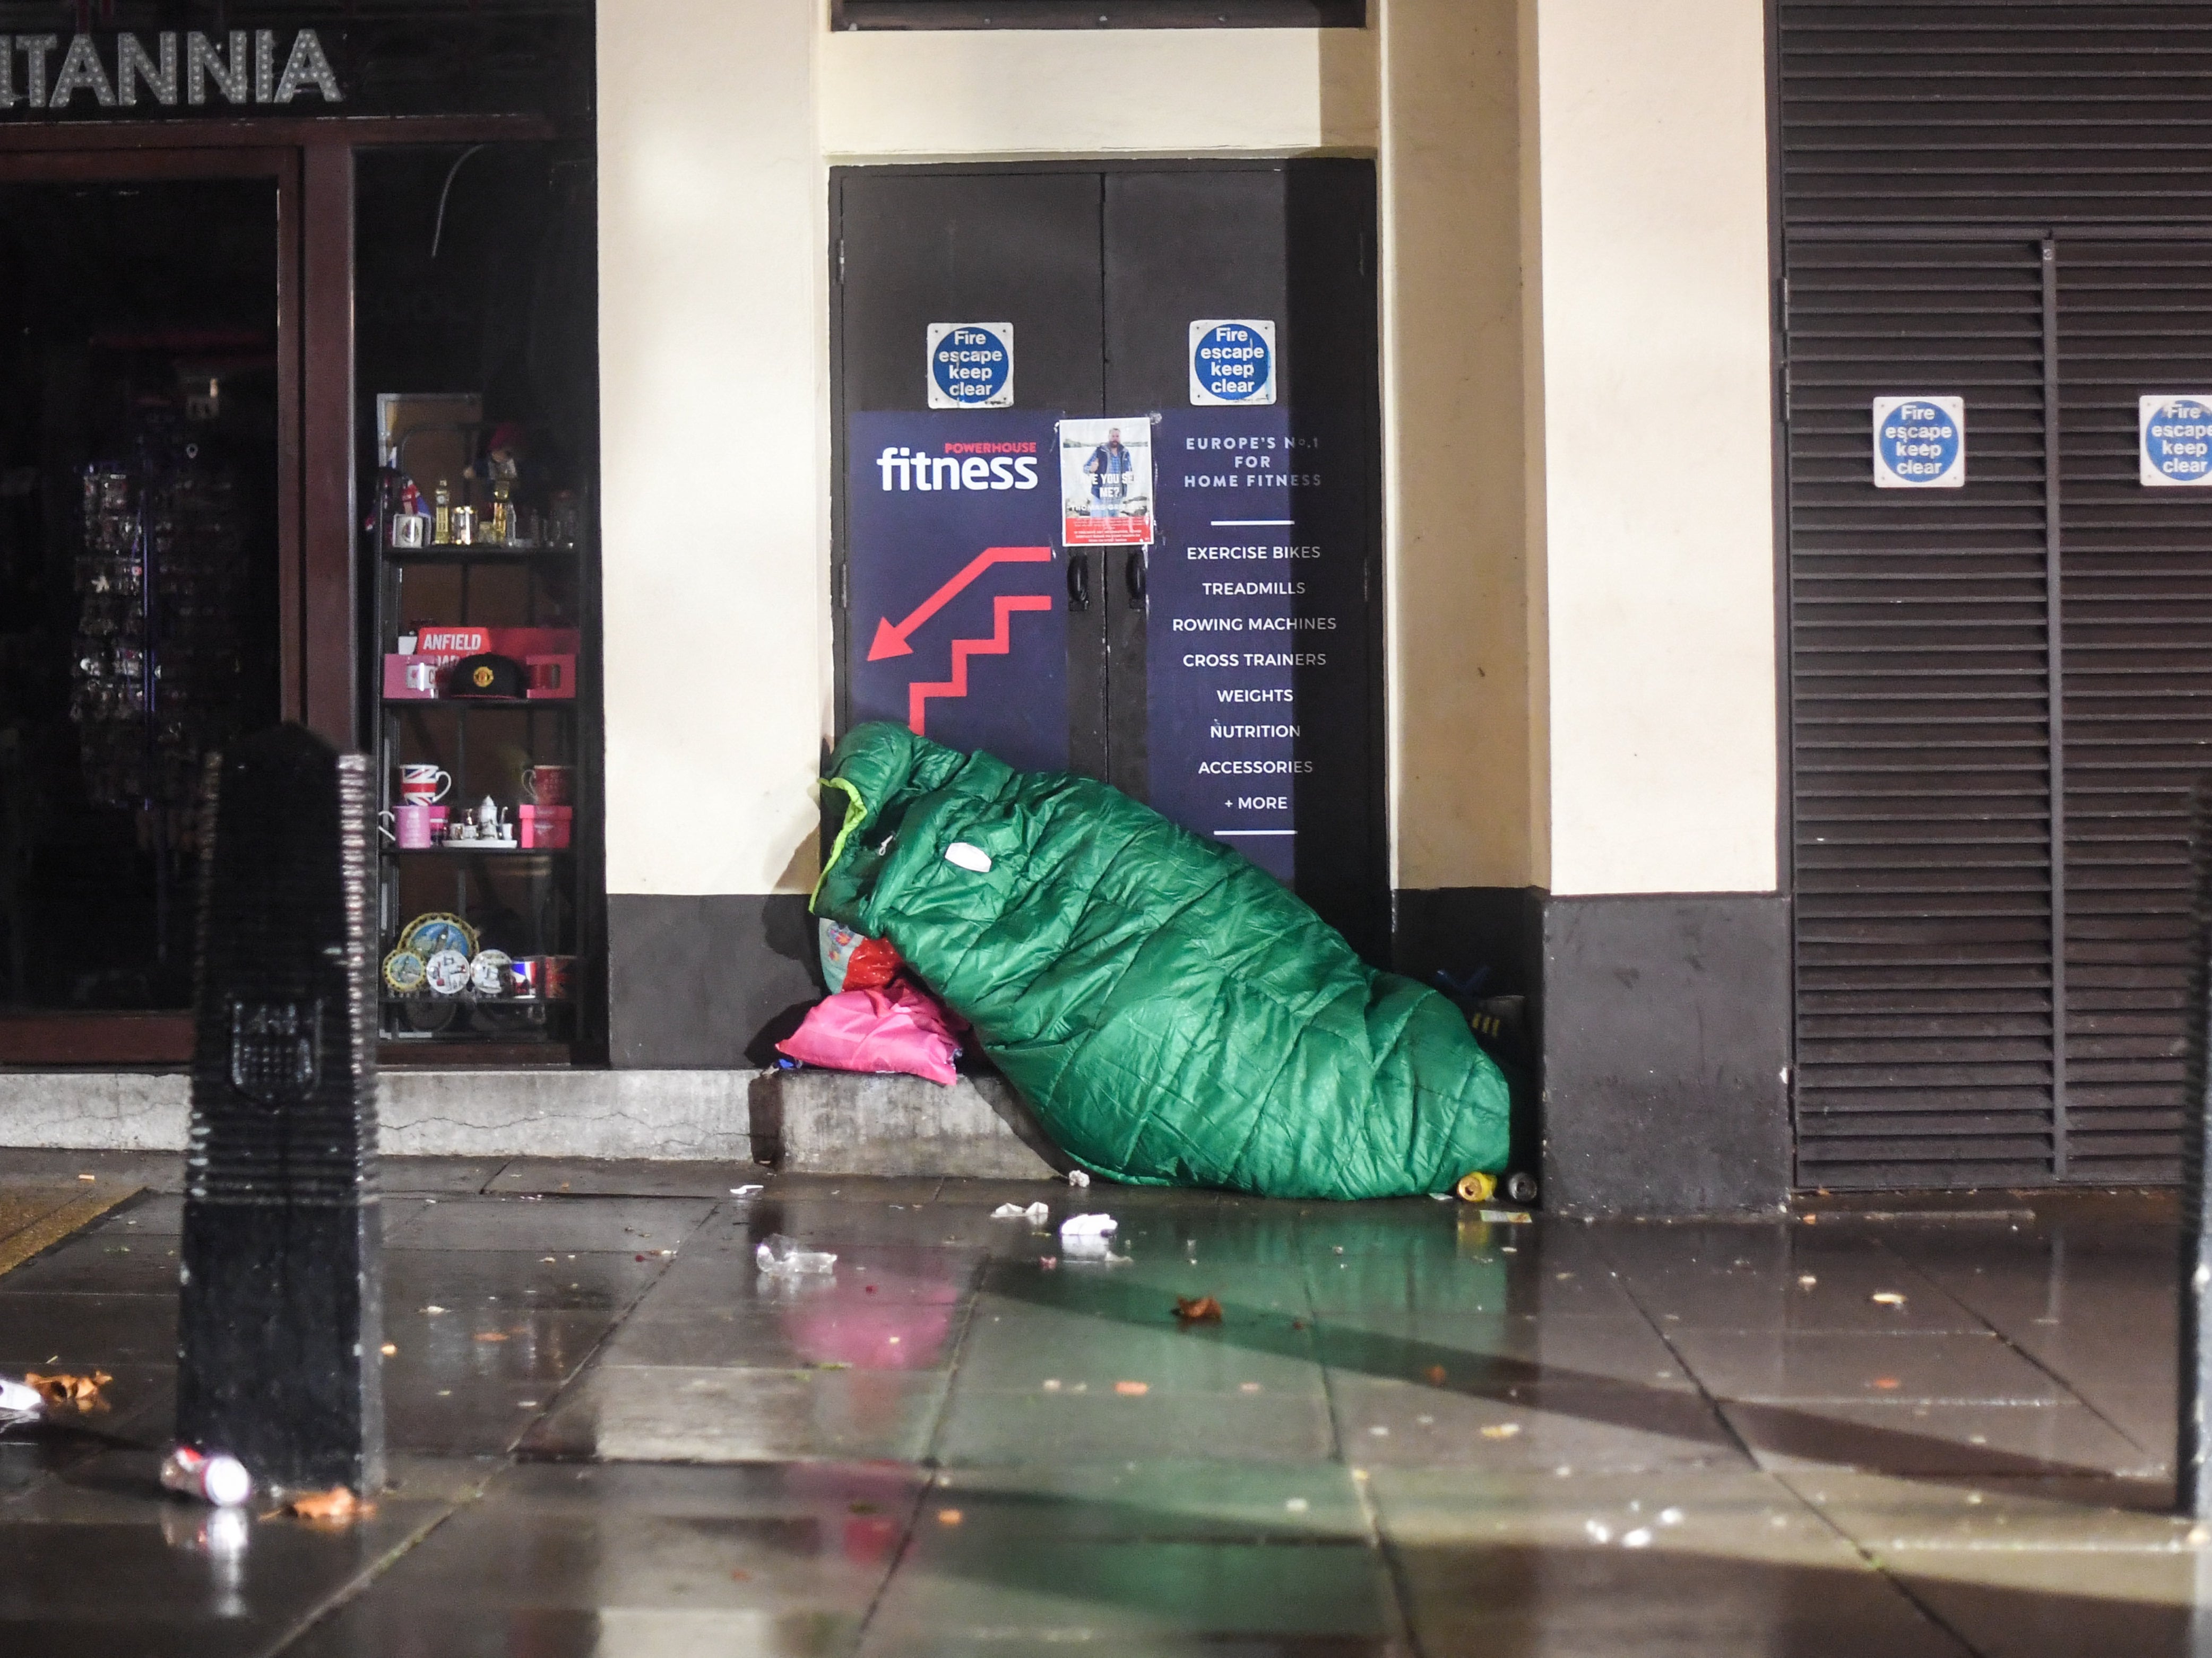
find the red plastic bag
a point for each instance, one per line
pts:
(873, 963)
(899, 1028)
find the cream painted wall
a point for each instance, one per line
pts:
(712, 414)
(719, 121)
(1466, 772)
(965, 93)
(1656, 516)
(1582, 682)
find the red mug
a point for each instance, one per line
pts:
(549, 785)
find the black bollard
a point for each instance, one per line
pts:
(2193, 1491)
(279, 1320)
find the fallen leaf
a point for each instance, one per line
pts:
(78, 1392)
(948, 1516)
(1436, 1374)
(1886, 1383)
(1202, 1309)
(336, 1506)
(740, 1574)
(1133, 1390)
(389, 1348)
(1298, 1324)
(1501, 1430)
(491, 1335)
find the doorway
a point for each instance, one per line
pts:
(1217, 654)
(143, 569)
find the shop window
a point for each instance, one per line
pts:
(477, 419)
(1098, 14)
(139, 625)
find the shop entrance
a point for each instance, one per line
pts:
(1108, 463)
(141, 557)
(184, 474)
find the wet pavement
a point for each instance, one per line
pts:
(1944, 1431)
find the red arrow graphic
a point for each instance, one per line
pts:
(999, 644)
(891, 642)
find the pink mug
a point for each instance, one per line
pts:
(414, 823)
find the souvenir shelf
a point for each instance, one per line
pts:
(480, 614)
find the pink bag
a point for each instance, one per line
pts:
(899, 1028)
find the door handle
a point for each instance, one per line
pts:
(1134, 574)
(1078, 581)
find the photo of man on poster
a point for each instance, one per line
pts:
(1110, 466)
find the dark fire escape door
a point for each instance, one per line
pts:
(2001, 694)
(1228, 671)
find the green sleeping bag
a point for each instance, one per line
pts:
(1171, 1012)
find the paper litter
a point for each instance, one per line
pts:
(1089, 1237)
(1037, 1213)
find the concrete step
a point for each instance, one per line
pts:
(828, 1122)
(836, 1122)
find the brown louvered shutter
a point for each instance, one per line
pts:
(2012, 203)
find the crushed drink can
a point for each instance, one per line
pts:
(220, 1480)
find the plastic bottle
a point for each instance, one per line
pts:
(220, 1480)
(782, 1257)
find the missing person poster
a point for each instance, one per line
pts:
(1106, 482)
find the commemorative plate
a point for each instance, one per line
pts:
(426, 935)
(447, 973)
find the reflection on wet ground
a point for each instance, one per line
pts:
(1410, 1431)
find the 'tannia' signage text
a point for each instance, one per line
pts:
(94, 71)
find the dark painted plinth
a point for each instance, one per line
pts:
(1476, 944)
(278, 1329)
(706, 982)
(1665, 1030)
(1656, 1037)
